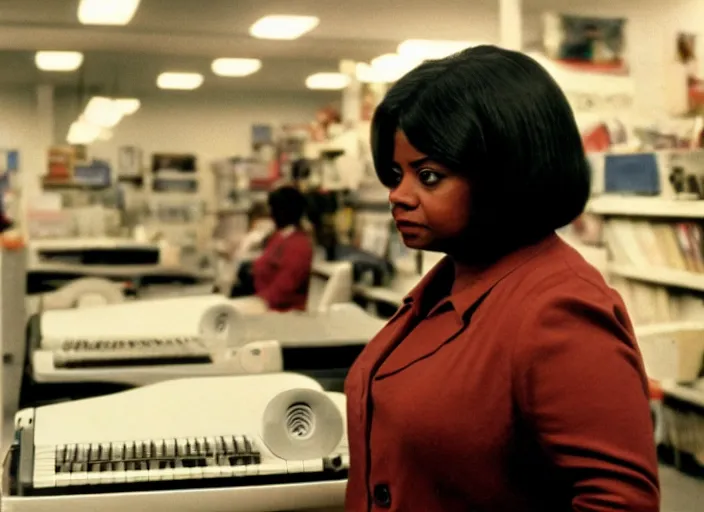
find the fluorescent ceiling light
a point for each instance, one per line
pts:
(235, 67)
(107, 12)
(128, 105)
(280, 26)
(103, 112)
(105, 134)
(425, 49)
(327, 81)
(391, 66)
(179, 81)
(58, 61)
(367, 75)
(82, 132)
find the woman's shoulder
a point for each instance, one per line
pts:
(558, 277)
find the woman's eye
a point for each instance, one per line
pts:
(429, 177)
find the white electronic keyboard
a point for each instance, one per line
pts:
(260, 443)
(137, 343)
(117, 347)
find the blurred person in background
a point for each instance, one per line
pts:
(281, 274)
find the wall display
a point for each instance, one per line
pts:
(61, 160)
(589, 43)
(9, 160)
(97, 173)
(80, 153)
(262, 134)
(690, 74)
(129, 161)
(174, 162)
(263, 144)
(685, 173)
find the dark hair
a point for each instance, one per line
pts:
(287, 206)
(499, 118)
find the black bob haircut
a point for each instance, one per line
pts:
(497, 117)
(287, 206)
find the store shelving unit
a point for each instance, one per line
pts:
(639, 232)
(608, 205)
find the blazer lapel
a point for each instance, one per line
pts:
(438, 334)
(397, 328)
(433, 334)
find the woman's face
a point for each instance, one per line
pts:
(430, 203)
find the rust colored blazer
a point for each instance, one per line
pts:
(523, 392)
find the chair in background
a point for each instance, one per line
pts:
(330, 283)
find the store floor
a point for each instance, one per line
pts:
(680, 493)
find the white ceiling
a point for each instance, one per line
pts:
(185, 35)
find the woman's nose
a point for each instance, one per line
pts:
(404, 194)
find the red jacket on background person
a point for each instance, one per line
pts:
(282, 272)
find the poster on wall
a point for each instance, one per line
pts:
(263, 146)
(587, 43)
(689, 73)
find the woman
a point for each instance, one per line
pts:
(282, 273)
(509, 379)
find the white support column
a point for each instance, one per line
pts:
(351, 95)
(34, 161)
(45, 114)
(511, 24)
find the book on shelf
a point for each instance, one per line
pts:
(647, 244)
(653, 304)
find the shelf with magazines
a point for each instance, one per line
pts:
(615, 205)
(655, 256)
(658, 275)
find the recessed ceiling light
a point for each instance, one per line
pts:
(58, 61)
(327, 81)
(128, 105)
(235, 67)
(107, 12)
(368, 75)
(281, 26)
(179, 81)
(103, 112)
(392, 66)
(425, 49)
(82, 132)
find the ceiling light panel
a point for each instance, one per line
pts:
(128, 105)
(327, 81)
(82, 132)
(179, 81)
(392, 66)
(103, 112)
(425, 49)
(236, 67)
(58, 61)
(107, 12)
(282, 26)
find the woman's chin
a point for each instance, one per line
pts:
(413, 241)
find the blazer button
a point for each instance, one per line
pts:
(382, 496)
